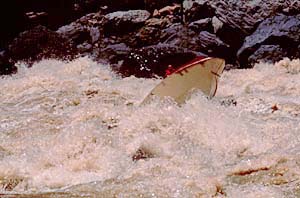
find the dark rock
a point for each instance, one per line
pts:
(205, 42)
(39, 43)
(114, 52)
(239, 18)
(150, 33)
(84, 31)
(75, 32)
(152, 61)
(212, 45)
(17, 15)
(202, 25)
(122, 22)
(278, 30)
(268, 54)
(147, 36)
(200, 10)
(6, 67)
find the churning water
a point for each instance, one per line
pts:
(77, 129)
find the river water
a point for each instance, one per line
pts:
(78, 130)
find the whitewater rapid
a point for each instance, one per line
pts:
(77, 129)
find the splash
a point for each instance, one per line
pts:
(78, 129)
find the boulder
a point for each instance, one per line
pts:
(239, 18)
(205, 42)
(152, 61)
(122, 22)
(114, 53)
(267, 54)
(146, 36)
(199, 10)
(84, 32)
(212, 45)
(280, 30)
(150, 33)
(202, 25)
(39, 43)
(76, 33)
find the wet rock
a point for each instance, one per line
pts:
(268, 54)
(205, 42)
(152, 61)
(114, 53)
(279, 30)
(122, 22)
(39, 43)
(6, 67)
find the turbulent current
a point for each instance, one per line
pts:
(78, 130)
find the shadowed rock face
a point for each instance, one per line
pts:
(280, 30)
(17, 16)
(121, 22)
(38, 43)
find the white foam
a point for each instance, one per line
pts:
(64, 124)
